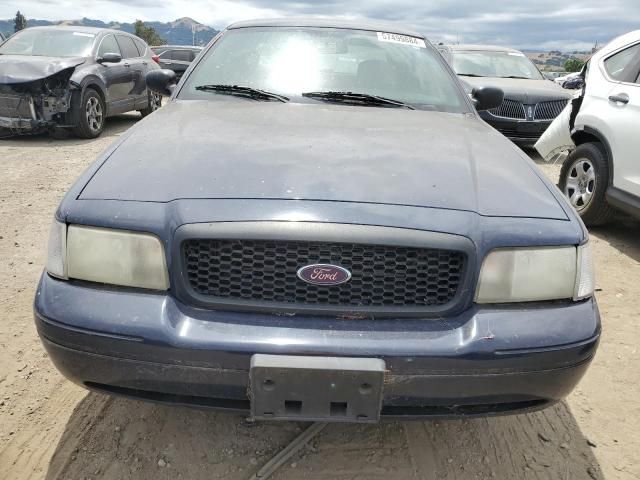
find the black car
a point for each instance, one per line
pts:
(531, 101)
(176, 57)
(72, 78)
(322, 228)
(573, 83)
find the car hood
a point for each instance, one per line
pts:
(242, 149)
(525, 91)
(27, 68)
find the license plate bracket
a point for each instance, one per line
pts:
(329, 389)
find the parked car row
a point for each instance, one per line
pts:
(99, 73)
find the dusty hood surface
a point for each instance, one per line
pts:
(28, 68)
(243, 149)
(526, 91)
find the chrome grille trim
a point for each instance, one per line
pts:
(549, 110)
(509, 109)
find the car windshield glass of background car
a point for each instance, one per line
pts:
(495, 64)
(293, 61)
(49, 43)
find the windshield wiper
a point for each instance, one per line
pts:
(517, 76)
(242, 91)
(359, 98)
(471, 75)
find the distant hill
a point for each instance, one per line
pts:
(554, 60)
(178, 32)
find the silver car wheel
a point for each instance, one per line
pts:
(94, 114)
(581, 183)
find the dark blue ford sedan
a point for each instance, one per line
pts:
(319, 226)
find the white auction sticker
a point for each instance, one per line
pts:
(402, 39)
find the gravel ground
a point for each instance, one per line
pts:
(52, 429)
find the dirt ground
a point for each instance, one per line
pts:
(52, 429)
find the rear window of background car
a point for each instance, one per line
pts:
(182, 55)
(108, 45)
(624, 65)
(127, 47)
(142, 48)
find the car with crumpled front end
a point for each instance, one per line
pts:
(65, 79)
(319, 226)
(531, 101)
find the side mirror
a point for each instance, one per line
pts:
(110, 58)
(162, 81)
(486, 98)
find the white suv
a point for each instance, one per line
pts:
(600, 128)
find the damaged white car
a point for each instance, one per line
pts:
(600, 131)
(71, 78)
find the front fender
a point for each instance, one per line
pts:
(81, 80)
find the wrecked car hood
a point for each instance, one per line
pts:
(241, 149)
(28, 68)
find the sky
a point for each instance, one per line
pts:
(525, 24)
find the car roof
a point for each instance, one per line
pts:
(482, 48)
(326, 23)
(618, 43)
(81, 29)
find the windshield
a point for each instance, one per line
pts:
(495, 64)
(294, 61)
(49, 43)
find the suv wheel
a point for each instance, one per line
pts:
(584, 179)
(155, 101)
(90, 114)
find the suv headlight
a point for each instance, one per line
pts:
(536, 274)
(116, 257)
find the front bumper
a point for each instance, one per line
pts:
(522, 132)
(14, 123)
(485, 361)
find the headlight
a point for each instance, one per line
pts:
(585, 279)
(116, 257)
(57, 250)
(536, 274)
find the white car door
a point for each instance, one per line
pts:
(621, 115)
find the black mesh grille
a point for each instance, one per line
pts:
(509, 109)
(550, 110)
(265, 271)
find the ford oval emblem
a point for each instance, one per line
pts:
(324, 274)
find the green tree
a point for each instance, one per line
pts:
(19, 22)
(573, 65)
(148, 34)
